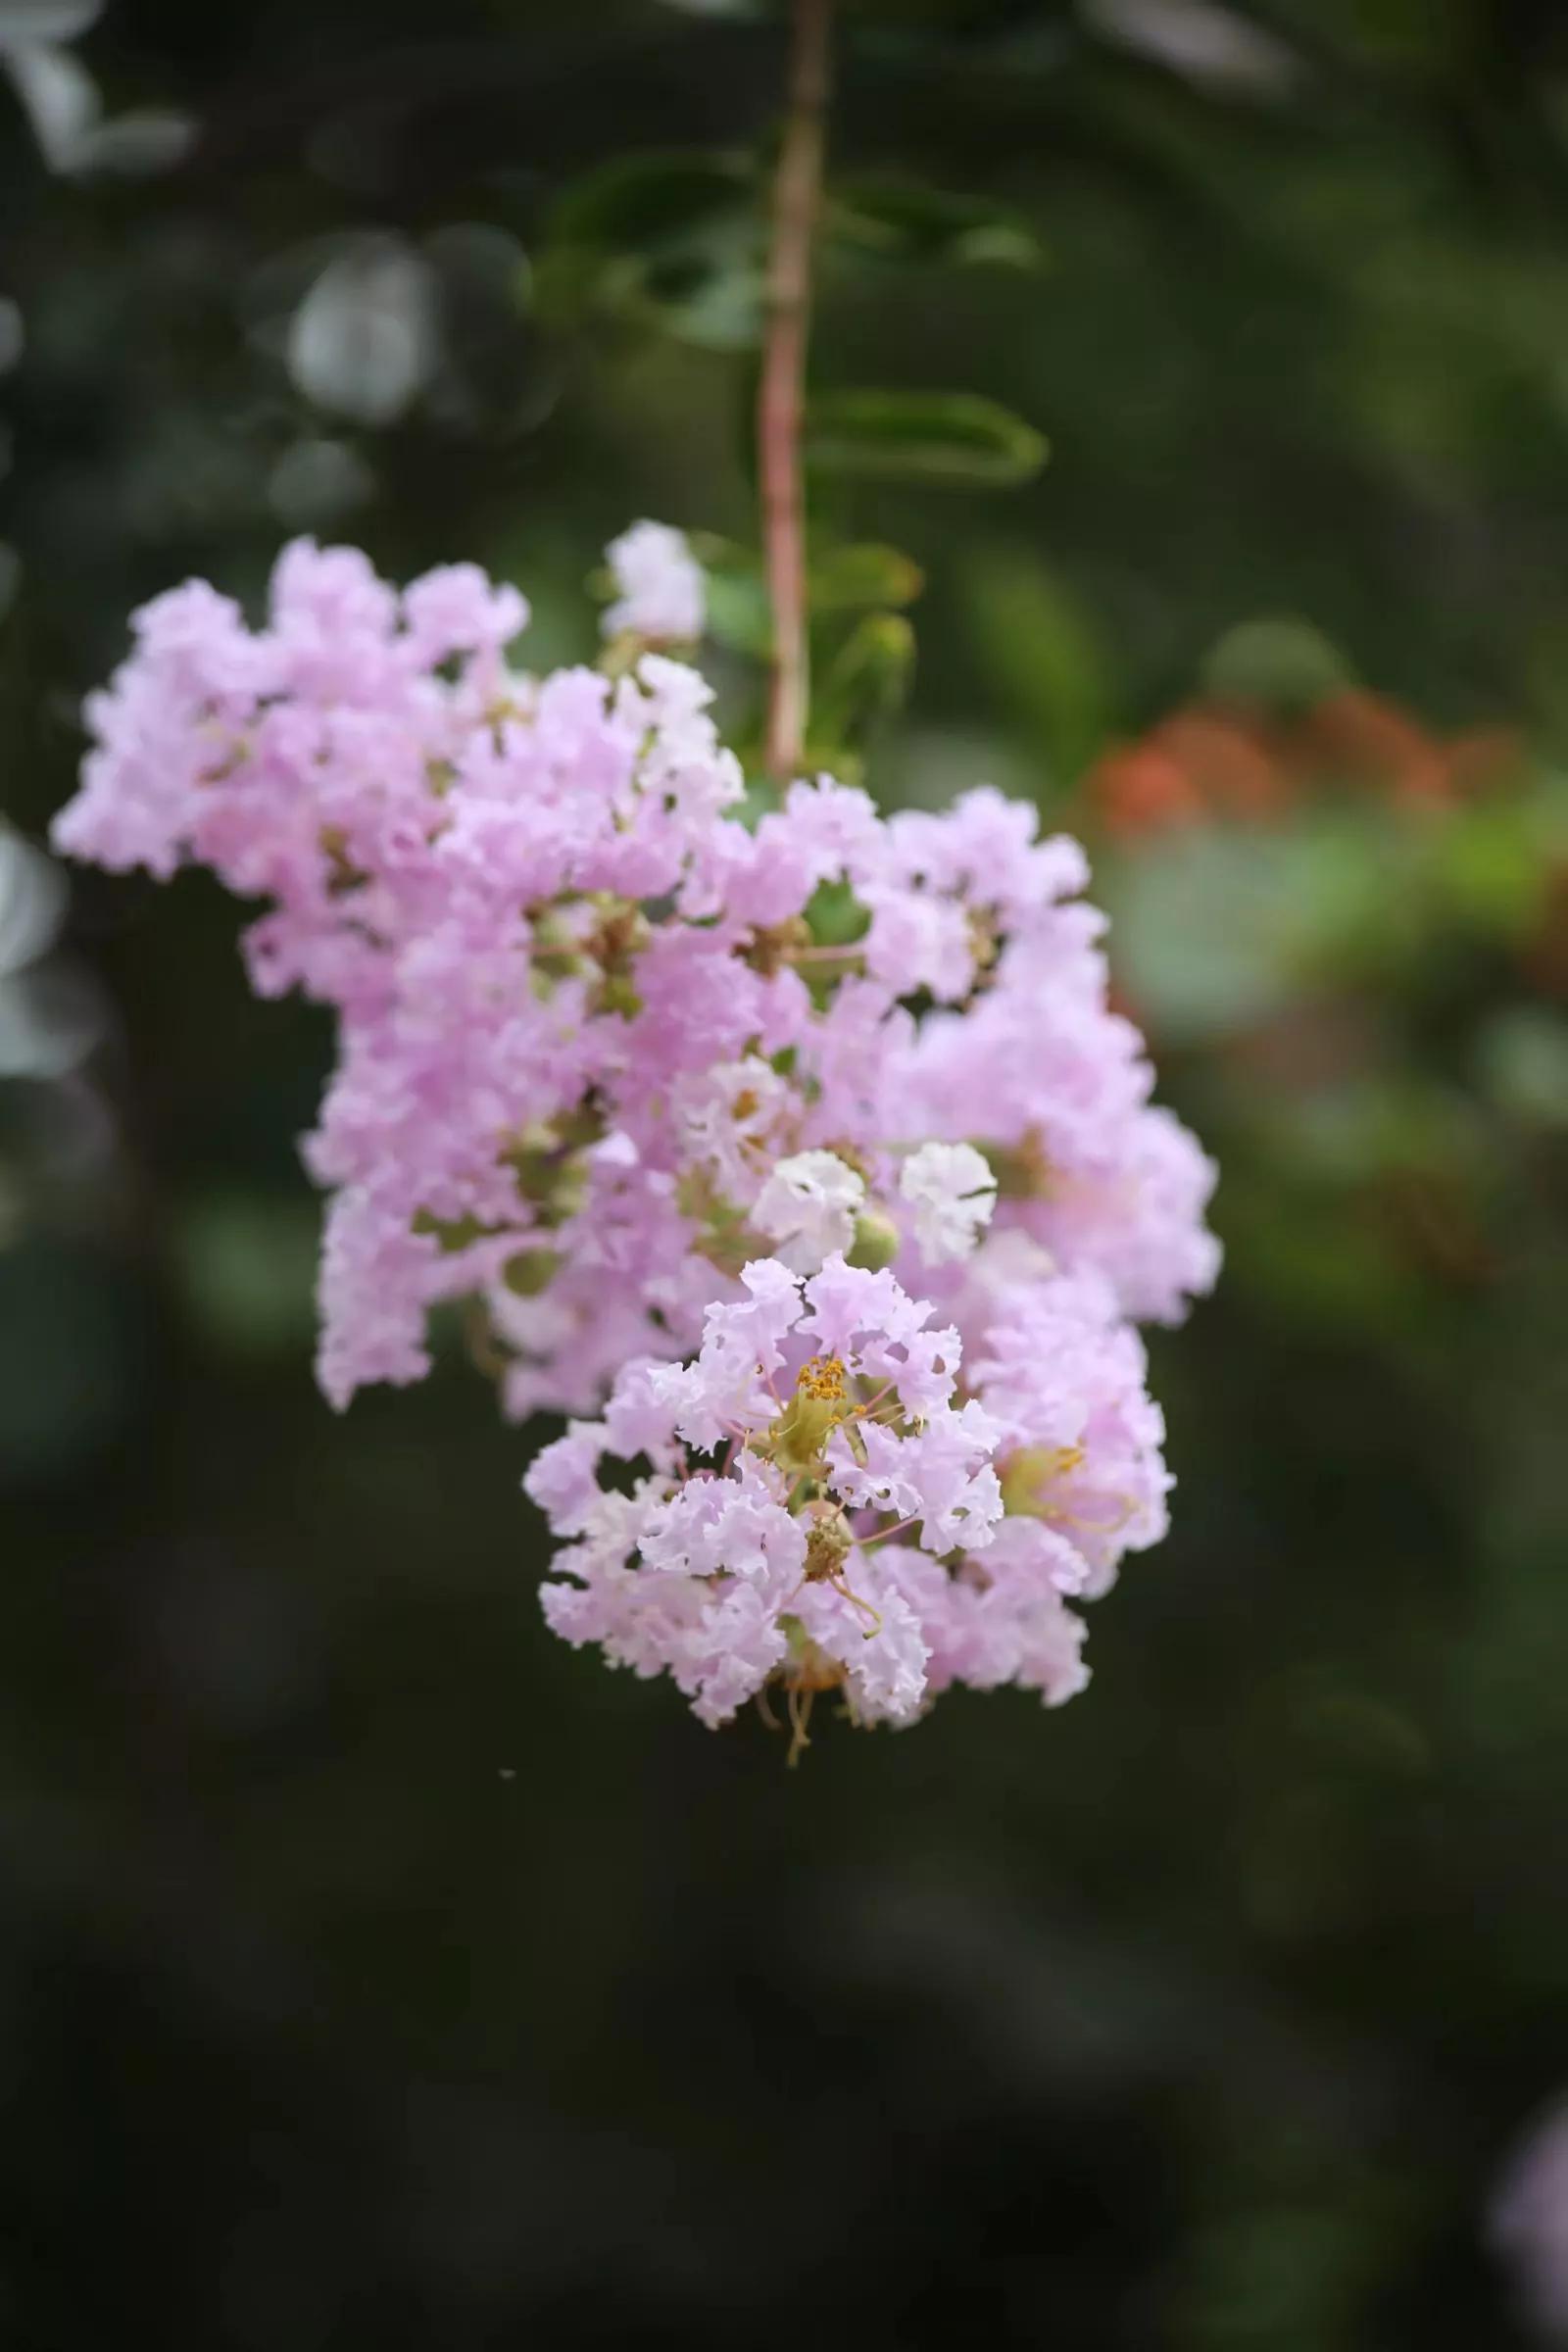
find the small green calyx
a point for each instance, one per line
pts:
(546, 1162)
(876, 1241)
(531, 1271)
(616, 994)
(453, 1233)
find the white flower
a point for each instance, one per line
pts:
(808, 1207)
(660, 583)
(728, 1116)
(952, 1191)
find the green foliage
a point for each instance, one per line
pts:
(865, 685)
(1522, 1064)
(671, 240)
(739, 614)
(946, 437)
(641, 202)
(1038, 647)
(905, 220)
(1227, 925)
(843, 579)
(835, 917)
(247, 1266)
(1286, 666)
(840, 581)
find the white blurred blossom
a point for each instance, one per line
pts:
(366, 338)
(50, 1014)
(952, 1191)
(807, 1208)
(660, 582)
(1199, 39)
(61, 100)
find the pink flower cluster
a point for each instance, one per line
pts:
(822, 1508)
(691, 1106)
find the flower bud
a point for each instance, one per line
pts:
(876, 1241)
(531, 1271)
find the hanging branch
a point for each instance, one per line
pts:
(797, 193)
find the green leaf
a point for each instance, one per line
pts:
(1203, 941)
(640, 202)
(1491, 875)
(922, 436)
(835, 917)
(739, 614)
(674, 238)
(1284, 665)
(1036, 643)
(1522, 1053)
(710, 295)
(866, 681)
(907, 222)
(843, 579)
(245, 1262)
(846, 578)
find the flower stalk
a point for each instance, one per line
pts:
(797, 199)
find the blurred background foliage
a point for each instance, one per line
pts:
(377, 1971)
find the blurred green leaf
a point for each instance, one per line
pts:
(1522, 1055)
(1383, 1123)
(866, 681)
(922, 436)
(674, 238)
(739, 614)
(1350, 898)
(1202, 933)
(844, 577)
(835, 915)
(1488, 869)
(710, 295)
(1318, 1269)
(637, 203)
(247, 1265)
(907, 222)
(1044, 659)
(1284, 665)
(73, 1368)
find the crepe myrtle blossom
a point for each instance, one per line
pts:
(952, 1191)
(807, 1208)
(619, 1055)
(812, 1437)
(661, 592)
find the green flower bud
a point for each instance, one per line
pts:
(531, 1271)
(876, 1241)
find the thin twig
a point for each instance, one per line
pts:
(797, 192)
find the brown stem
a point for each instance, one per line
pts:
(797, 192)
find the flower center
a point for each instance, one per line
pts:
(821, 1379)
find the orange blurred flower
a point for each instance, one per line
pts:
(1230, 762)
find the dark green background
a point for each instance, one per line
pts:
(376, 1971)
